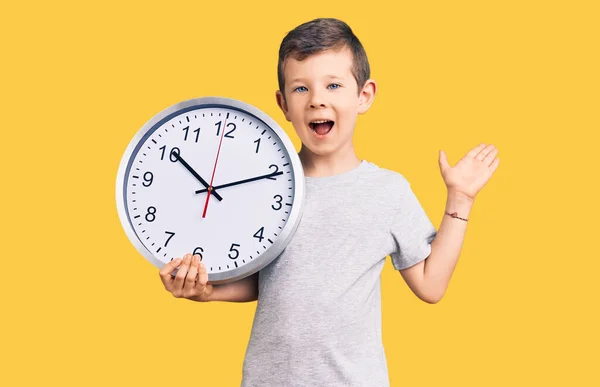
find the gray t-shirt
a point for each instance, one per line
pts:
(318, 316)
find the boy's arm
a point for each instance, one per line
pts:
(429, 278)
(244, 290)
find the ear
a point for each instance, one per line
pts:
(282, 104)
(366, 96)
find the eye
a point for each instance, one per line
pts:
(334, 86)
(300, 88)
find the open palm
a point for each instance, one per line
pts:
(471, 172)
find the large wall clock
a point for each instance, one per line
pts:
(211, 176)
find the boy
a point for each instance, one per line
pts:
(318, 317)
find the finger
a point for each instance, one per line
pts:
(182, 272)
(165, 272)
(495, 164)
(202, 276)
(443, 161)
(481, 155)
(190, 279)
(490, 156)
(202, 284)
(473, 152)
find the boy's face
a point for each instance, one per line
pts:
(322, 100)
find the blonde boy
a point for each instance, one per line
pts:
(318, 316)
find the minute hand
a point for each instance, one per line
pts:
(242, 181)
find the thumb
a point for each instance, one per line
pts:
(443, 161)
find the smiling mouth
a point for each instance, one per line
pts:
(321, 127)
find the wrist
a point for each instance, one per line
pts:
(205, 297)
(458, 205)
(458, 196)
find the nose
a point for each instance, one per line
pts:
(317, 100)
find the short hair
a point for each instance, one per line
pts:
(319, 35)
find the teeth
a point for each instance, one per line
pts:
(319, 122)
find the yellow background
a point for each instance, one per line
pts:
(80, 306)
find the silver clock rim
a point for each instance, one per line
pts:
(290, 226)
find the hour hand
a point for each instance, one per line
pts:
(267, 176)
(196, 175)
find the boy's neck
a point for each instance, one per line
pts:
(315, 165)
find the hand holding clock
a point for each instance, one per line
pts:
(191, 280)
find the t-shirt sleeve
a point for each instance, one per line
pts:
(412, 232)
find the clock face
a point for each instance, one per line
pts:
(214, 177)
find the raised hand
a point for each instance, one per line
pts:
(471, 172)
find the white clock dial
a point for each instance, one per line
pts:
(253, 208)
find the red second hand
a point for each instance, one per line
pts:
(214, 169)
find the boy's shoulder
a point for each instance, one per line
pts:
(385, 177)
(385, 187)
